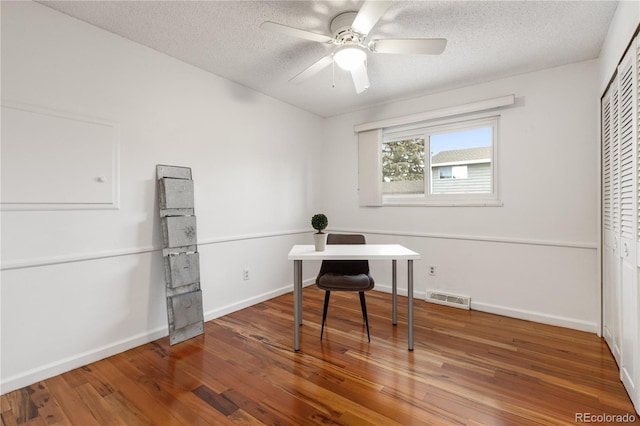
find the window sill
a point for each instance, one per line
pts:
(443, 203)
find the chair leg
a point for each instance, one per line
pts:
(364, 313)
(327, 295)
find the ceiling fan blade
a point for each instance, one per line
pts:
(370, 12)
(425, 46)
(360, 78)
(313, 69)
(295, 32)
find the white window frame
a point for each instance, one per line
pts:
(437, 128)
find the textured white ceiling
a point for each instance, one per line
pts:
(486, 40)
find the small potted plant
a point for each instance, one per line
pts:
(319, 222)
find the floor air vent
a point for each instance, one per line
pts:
(462, 302)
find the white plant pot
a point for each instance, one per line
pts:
(320, 241)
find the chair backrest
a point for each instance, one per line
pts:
(346, 239)
(346, 267)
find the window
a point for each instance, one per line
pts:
(451, 172)
(449, 164)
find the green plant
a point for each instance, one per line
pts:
(319, 222)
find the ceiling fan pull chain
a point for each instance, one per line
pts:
(333, 74)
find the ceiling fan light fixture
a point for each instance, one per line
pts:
(349, 57)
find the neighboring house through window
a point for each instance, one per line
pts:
(462, 171)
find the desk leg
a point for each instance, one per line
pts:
(300, 294)
(410, 302)
(297, 303)
(394, 292)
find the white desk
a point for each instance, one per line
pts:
(391, 252)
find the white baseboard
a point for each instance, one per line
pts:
(225, 310)
(44, 372)
(417, 295)
(557, 320)
(522, 314)
(62, 366)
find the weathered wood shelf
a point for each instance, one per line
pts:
(180, 251)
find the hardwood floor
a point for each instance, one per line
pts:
(468, 368)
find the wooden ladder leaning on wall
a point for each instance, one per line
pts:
(180, 252)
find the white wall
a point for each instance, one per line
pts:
(81, 285)
(536, 256)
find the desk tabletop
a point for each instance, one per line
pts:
(353, 252)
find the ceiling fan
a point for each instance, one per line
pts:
(350, 30)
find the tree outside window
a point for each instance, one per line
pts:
(403, 166)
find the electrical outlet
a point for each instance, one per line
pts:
(245, 274)
(432, 270)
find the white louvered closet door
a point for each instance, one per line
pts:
(628, 140)
(629, 220)
(629, 185)
(610, 257)
(621, 220)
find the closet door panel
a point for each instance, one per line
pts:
(629, 231)
(620, 121)
(611, 221)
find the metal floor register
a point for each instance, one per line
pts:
(180, 252)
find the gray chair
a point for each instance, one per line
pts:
(345, 275)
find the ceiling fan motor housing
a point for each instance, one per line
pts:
(343, 32)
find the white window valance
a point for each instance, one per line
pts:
(471, 107)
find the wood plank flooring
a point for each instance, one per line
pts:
(468, 368)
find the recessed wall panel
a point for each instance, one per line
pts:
(57, 160)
